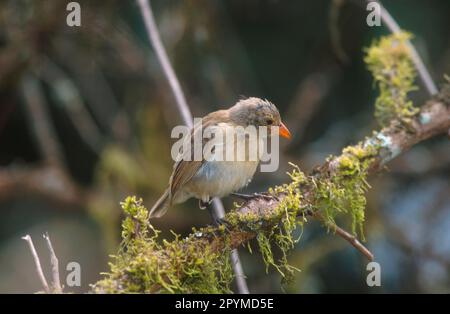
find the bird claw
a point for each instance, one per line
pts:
(217, 221)
(203, 205)
(248, 197)
(222, 222)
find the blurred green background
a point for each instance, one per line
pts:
(86, 115)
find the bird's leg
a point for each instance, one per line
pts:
(205, 204)
(216, 219)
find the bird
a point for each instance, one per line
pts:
(205, 179)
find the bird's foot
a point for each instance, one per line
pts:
(221, 222)
(204, 205)
(248, 197)
(218, 221)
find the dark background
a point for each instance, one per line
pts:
(110, 112)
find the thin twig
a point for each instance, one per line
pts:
(421, 69)
(185, 112)
(161, 53)
(37, 262)
(346, 236)
(56, 283)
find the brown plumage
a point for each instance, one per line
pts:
(207, 179)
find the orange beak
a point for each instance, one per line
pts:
(284, 132)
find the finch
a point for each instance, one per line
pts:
(208, 178)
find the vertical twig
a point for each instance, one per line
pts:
(241, 283)
(161, 53)
(421, 69)
(37, 262)
(56, 283)
(183, 108)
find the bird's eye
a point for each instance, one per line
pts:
(269, 121)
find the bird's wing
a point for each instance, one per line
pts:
(184, 169)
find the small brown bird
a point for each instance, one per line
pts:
(206, 179)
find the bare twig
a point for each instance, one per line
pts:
(421, 69)
(185, 112)
(56, 283)
(37, 262)
(346, 236)
(161, 53)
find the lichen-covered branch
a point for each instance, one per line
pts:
(337, 187)
(335, 190)
(197, 263)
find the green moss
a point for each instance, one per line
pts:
(282, 222)
(389, 61)
(145, 265)
(342, 190)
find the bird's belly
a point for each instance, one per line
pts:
(220, 178)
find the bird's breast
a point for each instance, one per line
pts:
(220, 178)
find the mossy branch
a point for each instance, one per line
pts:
(199, 263)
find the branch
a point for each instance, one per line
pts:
(178, 265)
(346, 236)
(37, 262)
(56, 282)
(185, 112)
(163, 59)
(56, 285)
(433, 120)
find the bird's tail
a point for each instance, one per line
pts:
(161, 206)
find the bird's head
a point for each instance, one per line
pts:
(258, 112)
